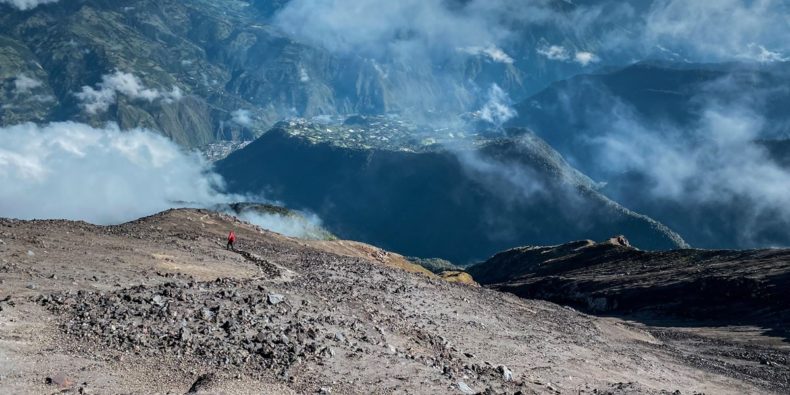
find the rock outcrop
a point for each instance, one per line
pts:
(730, 287)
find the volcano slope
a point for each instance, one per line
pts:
(159, 305)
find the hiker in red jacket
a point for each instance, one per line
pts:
(231, 240)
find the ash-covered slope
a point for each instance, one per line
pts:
(460, 200)
(159, 305)
(723, 286)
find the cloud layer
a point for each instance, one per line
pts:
(242, 117)
(24, 84)
(99, 99)
(717, 160)
(26, 4)
(498, 109)
(491, 52)
(715, 171)
(716, 30)
(300, 225)
(73, 171)
(376, 29)
(711, 30)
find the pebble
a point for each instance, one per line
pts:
(275, 299)
(59, 380)
(465, 388)
(507, 375)
(158, 300)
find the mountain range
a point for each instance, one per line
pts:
(460, 203)
(234, 73)
(212, 74)
(713, 133)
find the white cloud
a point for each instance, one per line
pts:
(374, 28)
(498, 109)
(554, 52)
(99, 99)
(242, 117)
(562, 54)
(300, 225)
(718, 161)
(418, 30)
(303, 76)
(44, 98)
(585, 58)
(74, 171)
(763, 55)
(381, 69)
(710, 168)
(492, 52)
(24, 84)
(174, 95)
(716, 30)
(511, 181)
(26, 4)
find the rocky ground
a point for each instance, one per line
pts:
(726, 310)
(159, 305)
(613, 277)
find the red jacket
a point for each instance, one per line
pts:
(232, 237)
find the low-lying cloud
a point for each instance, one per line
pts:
(378, 29)
(242, 117)
(701, 31)
(716, 170)
(99, 99)
(513, 183)
(300, 225)
(101, 175)
(25, 84)
(69, 170)
(554, 52)
(585, 58)
(491, 52)
(720, 30)
(498, 109)
(26, 4)
(717, 159)
(561, 54)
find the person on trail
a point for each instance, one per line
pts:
(231, 240)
